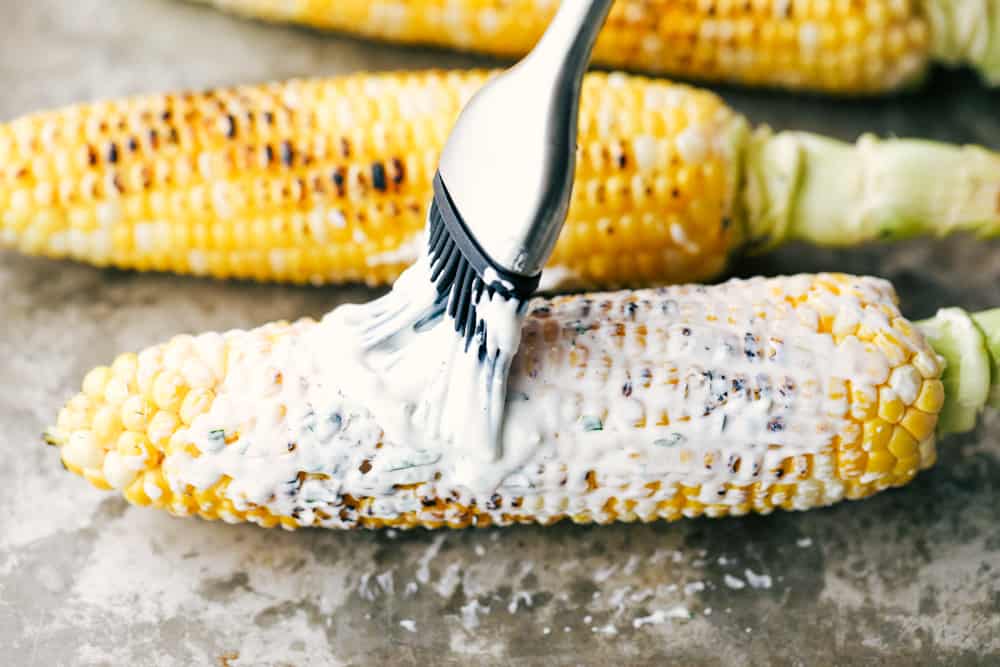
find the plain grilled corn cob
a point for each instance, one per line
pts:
(842, 46)
(677, 402)
(327, 181)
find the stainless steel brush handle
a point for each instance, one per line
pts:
(509, 162)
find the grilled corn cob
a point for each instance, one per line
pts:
(838, 46)
(328, 180)
(677, 402)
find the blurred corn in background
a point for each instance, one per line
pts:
(836, 46)
(327, 180)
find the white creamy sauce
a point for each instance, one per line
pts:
(637, 386)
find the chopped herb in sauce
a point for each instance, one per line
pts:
(415, 459)
(591, 423)
(671, 440)
(336, 421)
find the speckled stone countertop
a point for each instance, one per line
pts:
(909, 577)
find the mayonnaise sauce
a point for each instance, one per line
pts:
(692, 385)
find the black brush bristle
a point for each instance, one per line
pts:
(456, 281)
(457, 263)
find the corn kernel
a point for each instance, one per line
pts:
(931, 397)
(890, 407)
(167, 390)
(95, 381)
(134, 445)
(902, 445)
(82, 450)
(70, 420)
(116, 391)
(880, 462)
(107, 425)
(906, 469)
(920, 424)
(136, 412)
(876, 435)
(96, 477)
(161, 427)
(197, 402)
(124, 367)
(135, 494)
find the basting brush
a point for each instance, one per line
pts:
(448, 330)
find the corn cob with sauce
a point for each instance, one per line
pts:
(684, 401)
(327, 181)
(835, 46)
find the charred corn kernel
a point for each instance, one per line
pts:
(606, 357)
(832, 45)
(317, 181)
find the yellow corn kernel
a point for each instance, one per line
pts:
(876, 435)
(95, 381)
(96, 478)
(931, 397)
(902, 445)
(890, 408)
(107, 425)
(135, 493)
(136, 413)
(195, 403)
(167, 390)
(116, 391)
(919, 424)
(70, 420)
(160, 428)
(124, 367)
(135, 445)
(880, 462)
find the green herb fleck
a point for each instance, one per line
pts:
(591, 423)
(671, 440)
(418, 458)
(217, 435)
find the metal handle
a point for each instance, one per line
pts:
(567, 43)
(509, 164)
(559, 60)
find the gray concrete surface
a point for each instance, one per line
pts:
(911, 577)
